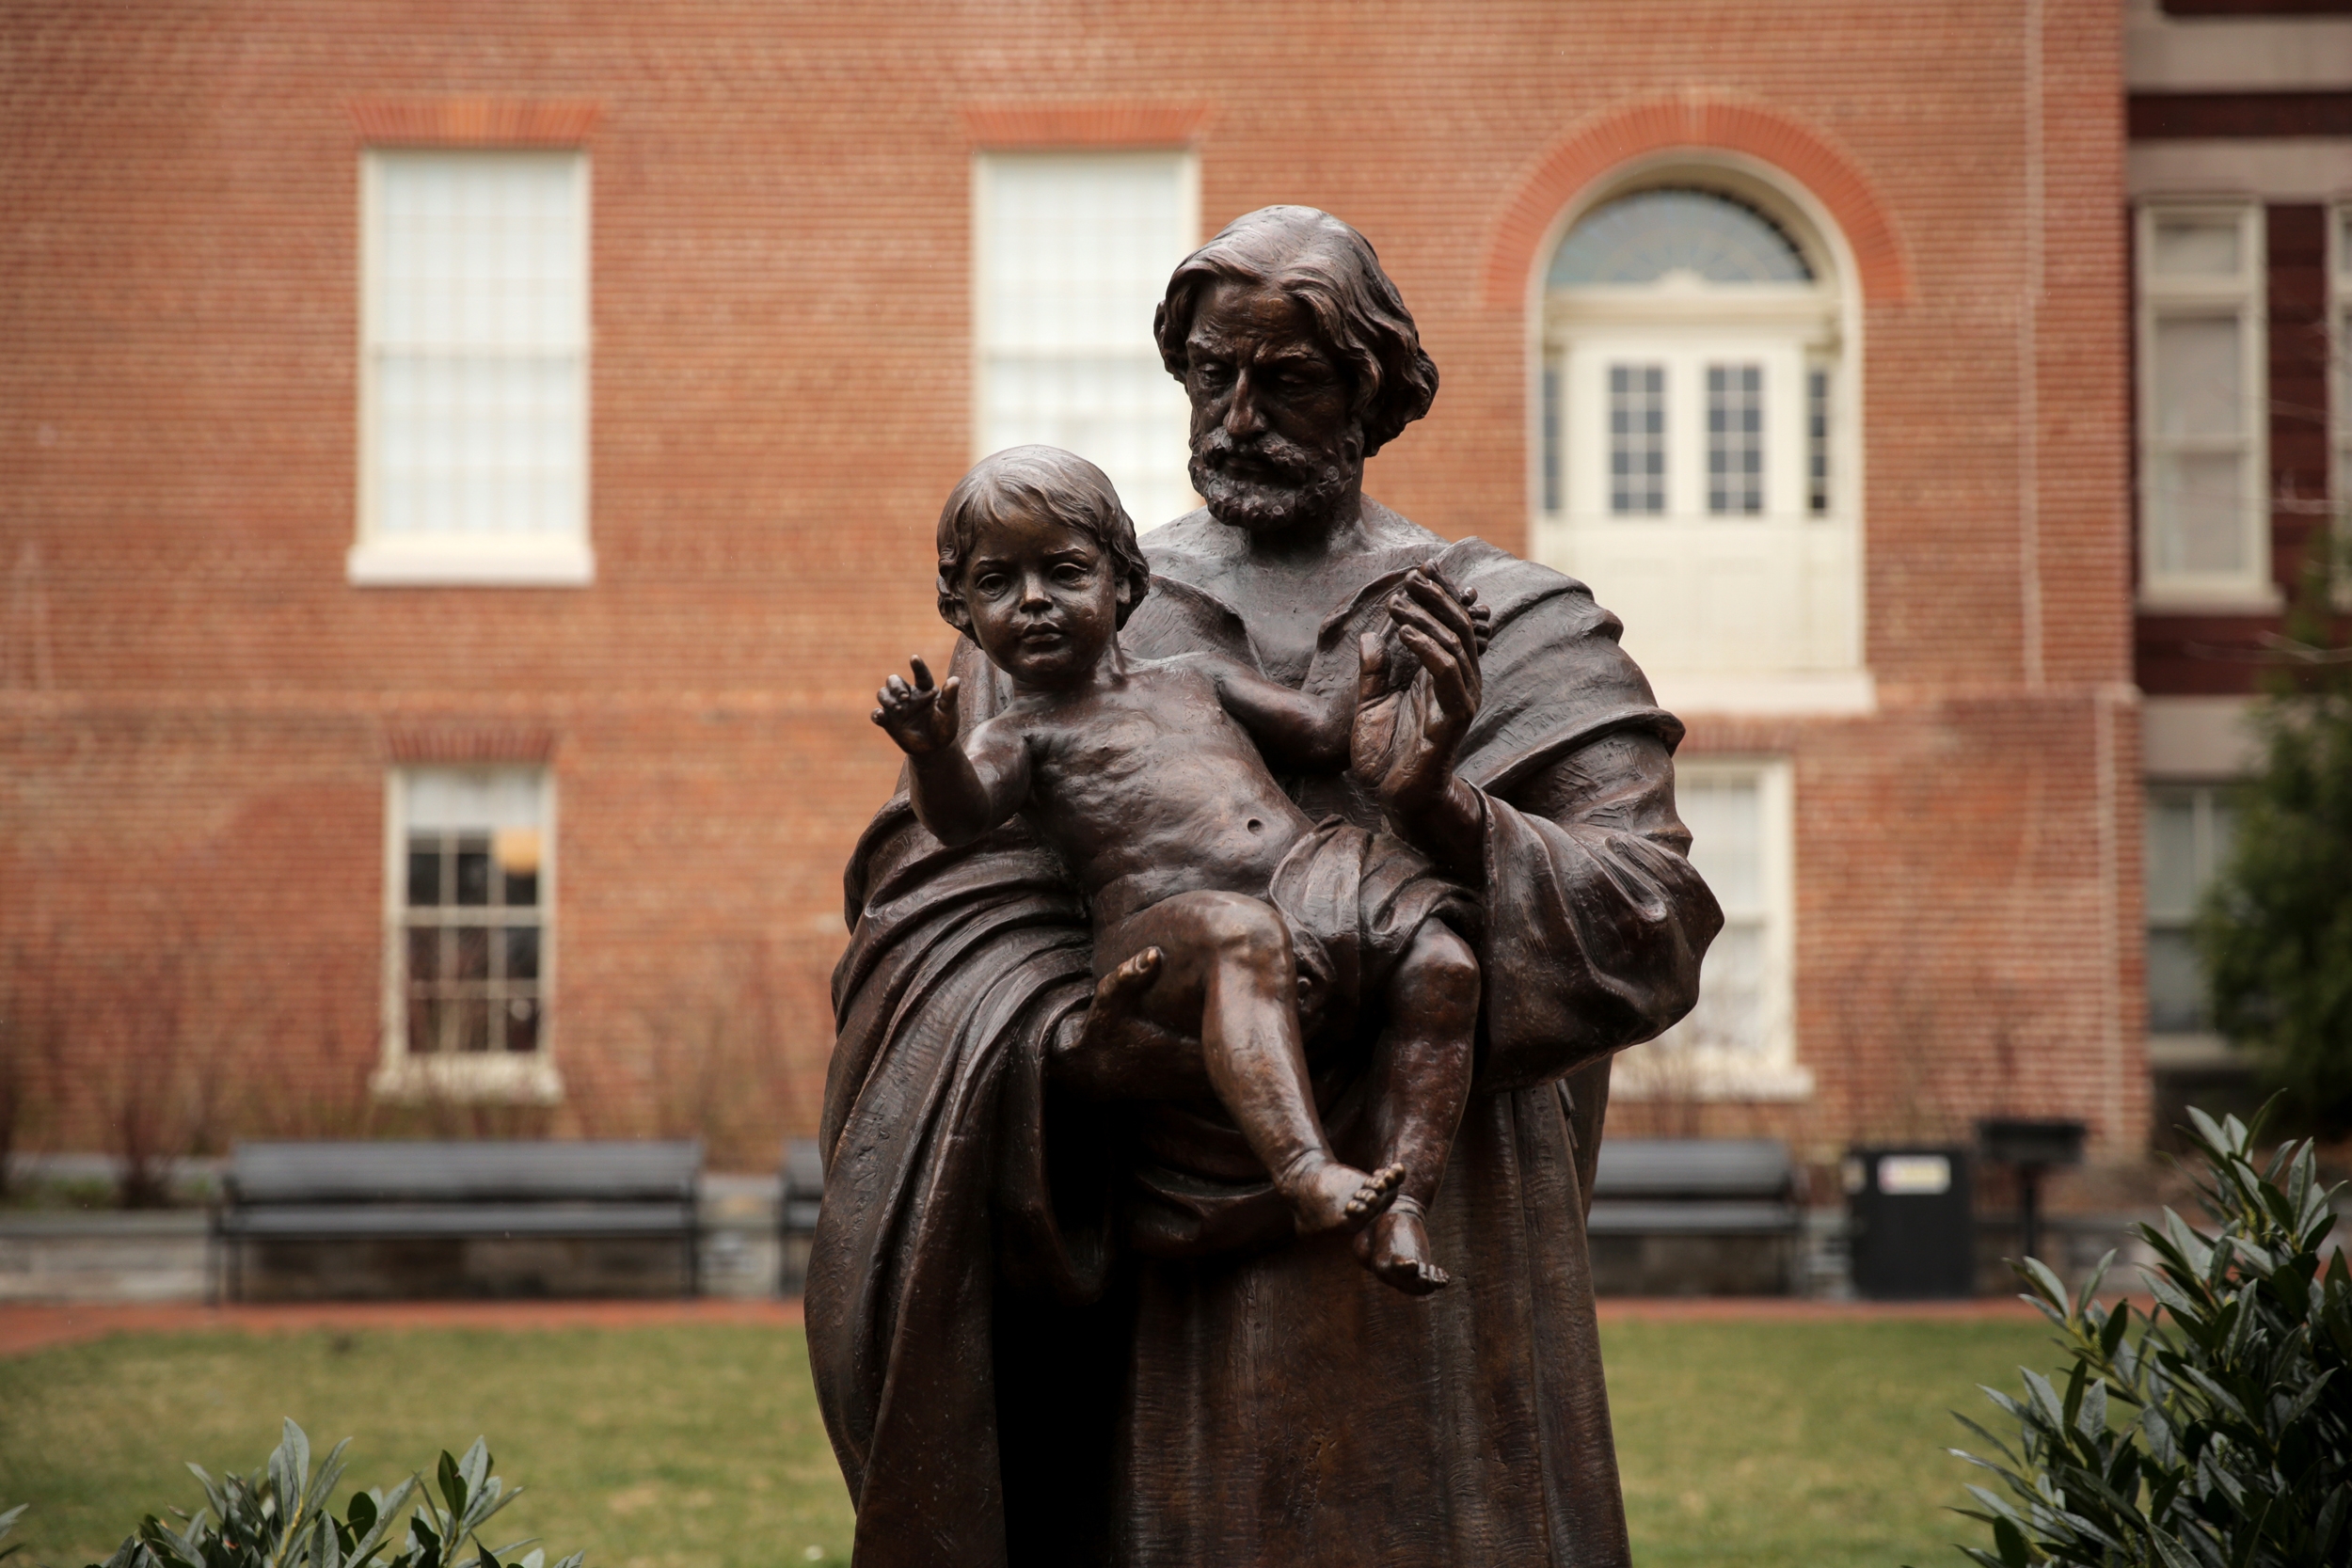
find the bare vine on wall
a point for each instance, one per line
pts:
(722, 1059)
(32, 1034)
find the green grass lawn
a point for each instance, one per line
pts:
(1809, 1444)
(1805, 1445)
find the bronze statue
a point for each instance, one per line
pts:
(1059, 1312)
(1210, 893)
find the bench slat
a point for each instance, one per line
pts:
(334, 1222)
(1613, 1217)
(377, 1173)
(1694, 1168)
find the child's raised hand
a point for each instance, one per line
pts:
(920, 718)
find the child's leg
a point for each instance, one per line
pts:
(1226, 969)
(1420, 1074)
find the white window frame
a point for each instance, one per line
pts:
(1672, 1068)
(984, 345)
(2194, 1048)
(1825, 672)
(491, 1075)
(381, 558)
(2243, 297)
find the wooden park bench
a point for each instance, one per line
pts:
(1695, 1216)
(420, 1219)
(1670, 1216)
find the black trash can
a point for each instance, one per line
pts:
(1913, 1224)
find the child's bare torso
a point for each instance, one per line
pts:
(1149, 788)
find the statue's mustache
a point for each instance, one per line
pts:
(1220, 452)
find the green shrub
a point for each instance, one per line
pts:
(282, 1516)
(2220, 1438)
(2275, 926)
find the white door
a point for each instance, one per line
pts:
(1688, 498)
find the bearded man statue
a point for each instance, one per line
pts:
(1057, 1314)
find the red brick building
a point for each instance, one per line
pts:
(463, 474)
(2240, 174)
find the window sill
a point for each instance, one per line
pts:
(2246, 599)
(2195, 1053)
(507, 1080)
(471, 563)
(2198, 739)
(1844, 693)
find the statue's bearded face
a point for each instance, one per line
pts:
(1276, 443)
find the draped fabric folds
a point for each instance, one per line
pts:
(1008, 1381)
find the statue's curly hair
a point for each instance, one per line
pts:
(1331, 269)
(1037, 482)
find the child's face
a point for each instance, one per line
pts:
(1044, 599)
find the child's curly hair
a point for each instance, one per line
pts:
(1037, 482)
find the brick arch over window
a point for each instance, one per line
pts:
(1613, 137)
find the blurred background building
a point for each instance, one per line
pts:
(463, 473)
(2240, 169)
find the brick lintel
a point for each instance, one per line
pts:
(478, 122)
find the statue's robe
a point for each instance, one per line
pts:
(1026, 1355)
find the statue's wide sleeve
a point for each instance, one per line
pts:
(963, 964)
(1596, 921)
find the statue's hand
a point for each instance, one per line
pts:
(921, 717)
(1405, 740)
(1117, 1054)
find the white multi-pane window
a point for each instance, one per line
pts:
(473, 369)
(2204, 526)
(469, 961)
(1074, 251)
(1740, 1041)
(1735, 438)
(1637, 439)
(2190, 829)
(1697, 449)
(1817, 441)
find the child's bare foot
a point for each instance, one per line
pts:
(1337, 1197)
(1397, 1248)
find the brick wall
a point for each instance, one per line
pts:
(197, 709)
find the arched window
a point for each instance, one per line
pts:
(1640, 238)
(1698, 447)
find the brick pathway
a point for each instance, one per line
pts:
(30, 1328)
(23, 1329)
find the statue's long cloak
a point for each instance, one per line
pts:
(1008, 1381)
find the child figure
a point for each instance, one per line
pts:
(1200, 875)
